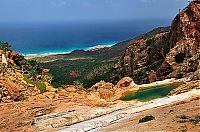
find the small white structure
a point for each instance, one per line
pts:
(4, 60)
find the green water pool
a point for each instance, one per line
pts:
(151, 93)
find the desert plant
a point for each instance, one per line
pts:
(183, 117)
(146, 118)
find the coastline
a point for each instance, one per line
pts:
(93, 48)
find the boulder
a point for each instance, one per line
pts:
(102, 84)
(125, 86)
(63, 93)
(50, 89)
(70, 88)
(50, 95)
(125, 82)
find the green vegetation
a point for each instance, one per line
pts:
(153, 66)
(138, 77)
(82, 69)
(146, 119)
(33, 70)
(5, 46)
(40, 85)
(150, 42)
(184, 119)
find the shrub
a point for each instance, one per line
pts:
(41, 86)
(183, 117)
(146, 119)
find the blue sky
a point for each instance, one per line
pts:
(87, 10)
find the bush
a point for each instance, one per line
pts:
(146, 119)
(183, 117)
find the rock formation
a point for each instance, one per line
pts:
(165, 54)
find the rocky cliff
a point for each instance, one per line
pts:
(165, 54)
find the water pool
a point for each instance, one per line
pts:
(151, 92)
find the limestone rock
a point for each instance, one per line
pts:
(70, 88)
(50, 89)
(106, 94)
(125, 82)
(102, 84)
(124, 86)
(63, 93)
(50, 95)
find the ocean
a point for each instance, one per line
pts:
(55, 38)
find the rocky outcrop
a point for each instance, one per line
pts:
(102, 84)
(186, 87)
(167, 54)
(142, 56)
(184, 39)
(14, 88)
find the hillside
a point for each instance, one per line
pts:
(91, 90)
(20, 78)
(170, 54)
(89, 67)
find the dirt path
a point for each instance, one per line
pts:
(97, 123)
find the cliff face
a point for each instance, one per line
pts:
(166, 54)
(185, 41)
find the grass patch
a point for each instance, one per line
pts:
(146, 119)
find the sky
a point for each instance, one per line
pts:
(87, 10)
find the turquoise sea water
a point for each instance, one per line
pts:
(52, 38)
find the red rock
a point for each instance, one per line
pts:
(152, 77)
